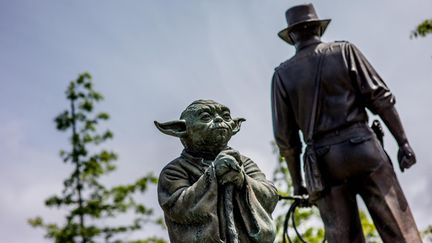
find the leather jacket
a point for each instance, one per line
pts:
(348, 85)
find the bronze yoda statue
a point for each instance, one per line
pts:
(212, 193)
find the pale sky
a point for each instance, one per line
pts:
(152, 58)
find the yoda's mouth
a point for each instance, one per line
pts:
(219, 132)
(220, 128)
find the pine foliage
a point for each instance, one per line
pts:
(91, 207)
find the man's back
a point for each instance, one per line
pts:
(348, 84)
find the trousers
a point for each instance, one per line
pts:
(353, 162)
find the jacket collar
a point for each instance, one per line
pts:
(304, 45)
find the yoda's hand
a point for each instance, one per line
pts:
(227, 160)
(228, 168)
(236, 178)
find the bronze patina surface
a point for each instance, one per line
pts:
(351, 160)
(212, 193)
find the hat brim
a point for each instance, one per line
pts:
(284, 34)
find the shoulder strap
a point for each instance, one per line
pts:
(315, 99)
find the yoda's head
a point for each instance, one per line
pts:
(204, 126)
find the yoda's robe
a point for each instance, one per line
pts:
(192, 202)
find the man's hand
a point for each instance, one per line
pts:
(229, 169)
(300, 190)
(302, 196)
(406, 156)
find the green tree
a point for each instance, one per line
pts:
(427, 234)
(91, 206)
(423, 29)
(307, 219)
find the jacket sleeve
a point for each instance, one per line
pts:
(374, 92)
(185, 202)
(285, 128)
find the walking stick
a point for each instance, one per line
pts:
(231, 232)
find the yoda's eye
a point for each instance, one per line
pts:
(205, 117)
(226, 116)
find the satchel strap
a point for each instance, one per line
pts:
(309, 137)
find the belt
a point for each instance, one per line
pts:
(343, 134)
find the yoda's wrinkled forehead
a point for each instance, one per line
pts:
(202, 105)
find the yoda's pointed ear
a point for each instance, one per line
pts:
(174, 128)
(238, 122)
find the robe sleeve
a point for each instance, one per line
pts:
(372, 88)
(256, 202)
(185, 202)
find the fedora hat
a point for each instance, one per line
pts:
(299, 15)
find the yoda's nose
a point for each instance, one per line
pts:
(218, 119)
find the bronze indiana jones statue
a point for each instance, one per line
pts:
(350, 158)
